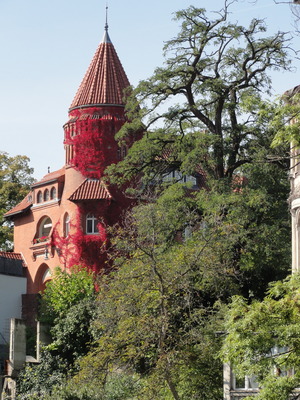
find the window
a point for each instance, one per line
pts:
(296, 256)
(124, 151)
(179, 177)
(45, 227)
(46, 195)
(39, 197)
(66, 225)
(187, 233)
(91, 224)
(190, 178)
(53, 193)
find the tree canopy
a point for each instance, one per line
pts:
(262, 339)
(202, 108)
(15, 180)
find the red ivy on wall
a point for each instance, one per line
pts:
(91, 134)
(91, 147)
(79, 248)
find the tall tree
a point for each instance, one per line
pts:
(204, 114)
(203, 106)
(220, 132)
(157, 314)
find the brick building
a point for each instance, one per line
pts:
(63, 220)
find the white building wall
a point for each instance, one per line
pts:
(295, 207)
(11, 290)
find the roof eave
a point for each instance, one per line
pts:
(45, 182)
(13, 214)
(96, 105)
(85, 200)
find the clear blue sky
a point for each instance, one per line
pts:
(46, 47)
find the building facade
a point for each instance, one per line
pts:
(63, 220)
(294, 199)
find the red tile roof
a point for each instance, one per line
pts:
(91, 189)
(105, 79)
(13, 256)
(52, 176)
(25, 204)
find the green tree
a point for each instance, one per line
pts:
(15, 180)
(263, 339)
(203, 107)
(158, 313)
(184, 253)
(204, 115)
(66, 289)
(69, 306)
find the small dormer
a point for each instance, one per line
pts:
(48, 191)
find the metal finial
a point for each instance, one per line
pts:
(106, 24)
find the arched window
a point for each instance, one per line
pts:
(39, 197)
(46, 195)
(45, 227)
(66, 225)
(91, 224)
(53, 193)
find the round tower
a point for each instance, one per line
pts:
(97, 114)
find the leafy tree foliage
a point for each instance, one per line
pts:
(15, 180)
(263, 339)
(69, 306)
(66, 290)
(157, 314)
(203, 107)
(36, 381)
(119, 387)
(285, 118)
(177, 260)
(221, 131)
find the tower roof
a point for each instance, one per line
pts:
(105, 79)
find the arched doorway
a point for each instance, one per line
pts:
(43, 276)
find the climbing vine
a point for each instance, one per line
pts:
(91, 135)
(79, 248)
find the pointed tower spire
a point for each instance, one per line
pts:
(105, 79)
(106, 38)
